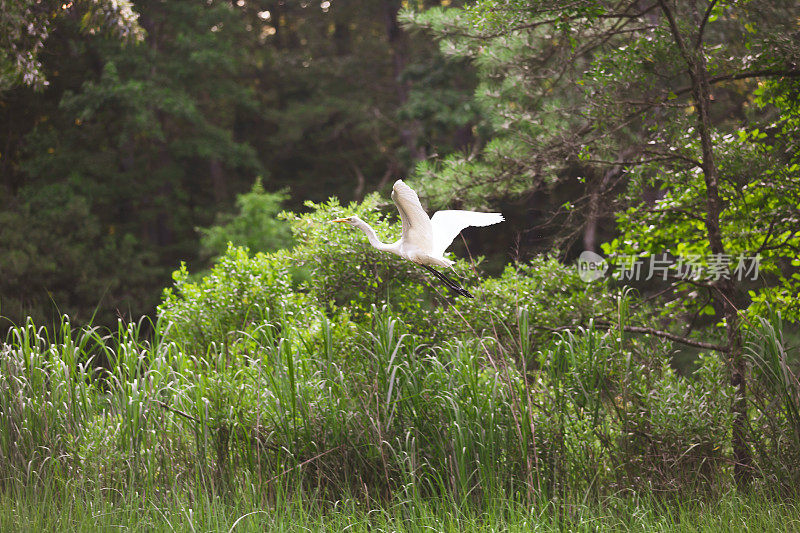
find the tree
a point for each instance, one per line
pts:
(336, 84)
(26, 24)
(646, 98)
(255, 227)
(144, 138)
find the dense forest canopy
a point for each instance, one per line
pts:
(128, 126)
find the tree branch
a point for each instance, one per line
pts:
(676, 33)
(703, 23)
(177, 411)
(649, 331)
(744, 75)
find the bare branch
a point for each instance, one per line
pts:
(763, 73)
(703, 23)
(649, 331)
(177, 411)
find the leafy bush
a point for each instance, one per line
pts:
(519, 391)
(677, 428)
(550, 293)
(238, 295)
(256, 226)
(614, 416)
(345, 274)
(362, 408)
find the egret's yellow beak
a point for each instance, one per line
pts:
(339, 220)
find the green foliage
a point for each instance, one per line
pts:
(529, 288)
(24, 27)
(160, 137)
(519, 110)
(570, 412)
(344, 372)
(677, 428)
(246, 511)
(255, 227)
(601, 95)
(760, 191)
(777, 394)
(136, 137)
(617, 415)
(48, 237)
(240, 295)
(286, 405)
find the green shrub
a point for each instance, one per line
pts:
(551, 295)
(677, 427)
(256, 226)
(240, 293)
(252, 375)
(368, 409)
(615, 416)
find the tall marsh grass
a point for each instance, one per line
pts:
(372, 413)
(775, 404)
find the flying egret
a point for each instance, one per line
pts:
(424, 239)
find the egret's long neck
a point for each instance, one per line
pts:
(373, 238)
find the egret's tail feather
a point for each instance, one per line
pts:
(452, 285)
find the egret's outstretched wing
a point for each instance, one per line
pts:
(416, 223)
(448, 224)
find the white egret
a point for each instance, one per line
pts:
(424, 240)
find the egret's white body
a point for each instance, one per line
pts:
(423, 239)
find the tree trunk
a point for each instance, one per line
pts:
(398, 41)
(596, 194)
(218, 184)
(724, 290)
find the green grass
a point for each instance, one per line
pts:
(66, 511)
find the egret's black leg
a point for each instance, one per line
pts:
(456, 286)
(452, 285)
(448, 283)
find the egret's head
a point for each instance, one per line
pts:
(353, 220)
